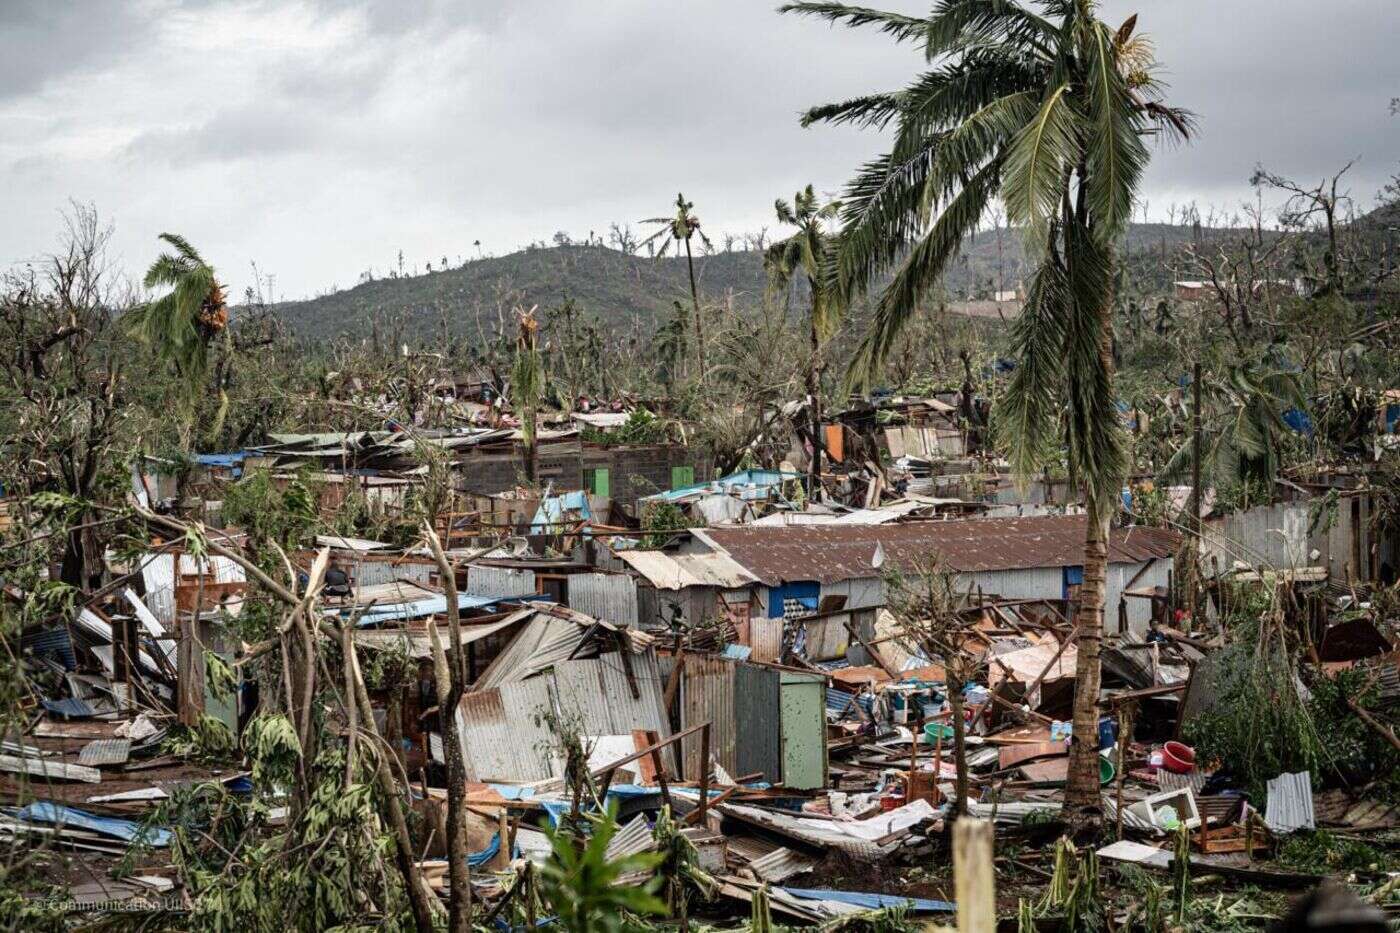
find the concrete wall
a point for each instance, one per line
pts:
(633, 471)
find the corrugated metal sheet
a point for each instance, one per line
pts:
(375, 572)
(599, 690)
(500, 581)
(707, 694)
(611, 597)
(105, 752)
(677, 571)
(758, 747)
(505, 732)
(504, 736)
(781, 864)
(1290, 805)
(828, 554)
(766, 639)
(158, 575)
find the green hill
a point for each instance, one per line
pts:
(624, 289)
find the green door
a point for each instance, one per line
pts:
(803, 703)
(682, 476)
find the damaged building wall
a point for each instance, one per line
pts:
(1269, 535)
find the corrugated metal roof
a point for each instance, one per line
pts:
(678, 571)
(611, 597)
(831, 554)
(500, 581)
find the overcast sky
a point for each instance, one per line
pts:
(317, 138)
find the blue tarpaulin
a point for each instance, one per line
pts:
(551, 510)
(748, 484)
(919, 905)
(70, 708)
(232, 461)
(1298, 420)
(45, 812)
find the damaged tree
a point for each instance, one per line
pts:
(809, 252)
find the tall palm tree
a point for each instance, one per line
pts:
(182, 323)
(1044, 106)
(677, 231)
(810, 253)
(527, 386)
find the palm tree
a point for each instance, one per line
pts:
(1042, 105)
(182, 323)
(1243, 422)
(809, 252)
(527, 386)
(677, 231)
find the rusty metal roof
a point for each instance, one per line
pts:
(829, 554)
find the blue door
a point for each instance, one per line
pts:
(1073, 579)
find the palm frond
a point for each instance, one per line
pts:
(1096, 446)
(901, 27)
(1036, 165)
(872, 110)
(1031, 407)
(921, 270)
(880, 218)
(1115, 153)
(955, 24)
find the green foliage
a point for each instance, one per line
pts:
(1258, 724)
(659, 520)
(582, 887)
(1073, 893)
(1322, 853)
(207, 740)
(179, 325)
(1356, 753)
(270, 742)
(272, 510)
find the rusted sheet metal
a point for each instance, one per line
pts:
(500, 581)
(829, 554)
(707, 695)
(504, 737)
(766, 639)
(611, 597)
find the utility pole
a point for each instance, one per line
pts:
(1194, 581)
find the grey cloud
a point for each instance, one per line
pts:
(427, 124)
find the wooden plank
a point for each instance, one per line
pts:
(973, 876)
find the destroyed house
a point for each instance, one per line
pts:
(801, 567)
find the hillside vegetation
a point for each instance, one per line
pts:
(626, 291)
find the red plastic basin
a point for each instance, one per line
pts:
(1178, 758)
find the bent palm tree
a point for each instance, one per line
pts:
(677, 231)
(1044, 106)
(180, 325)
(809, 252)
